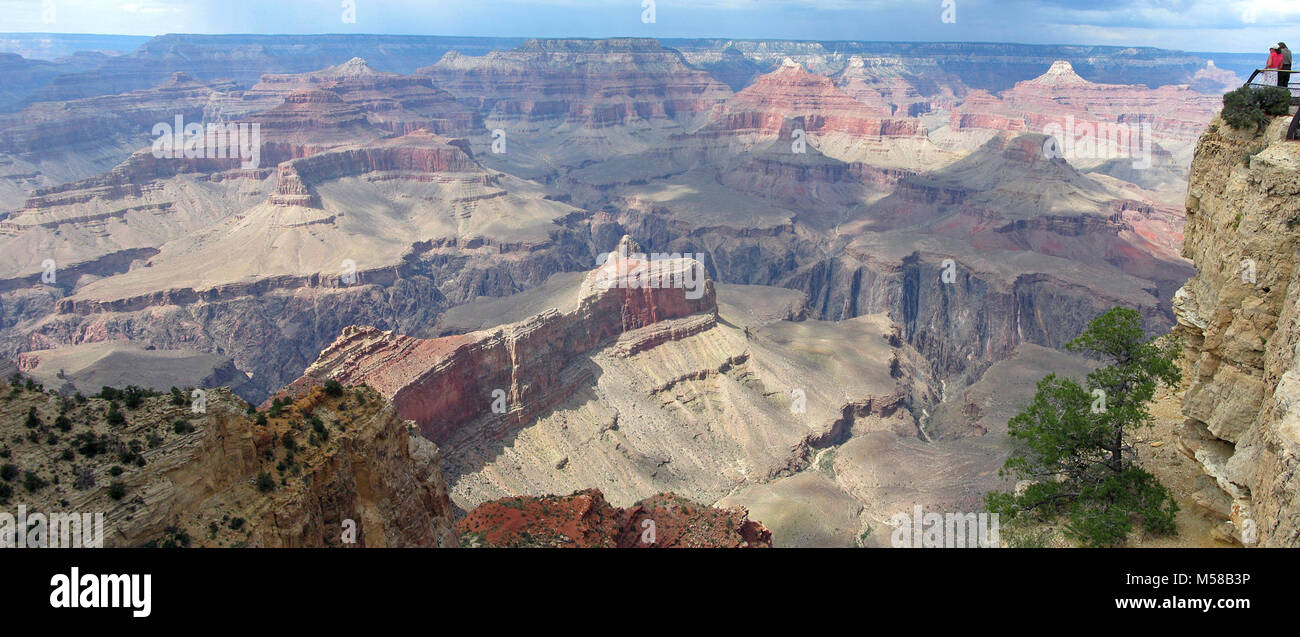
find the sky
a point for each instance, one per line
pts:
(1193, 25)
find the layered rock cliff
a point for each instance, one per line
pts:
(592, 83)
(1240, 320)
(398, 103)
(1173, 116)
(443, 383)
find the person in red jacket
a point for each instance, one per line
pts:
(1270, 77)
(1274, 62)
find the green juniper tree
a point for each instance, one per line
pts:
(1073, 446)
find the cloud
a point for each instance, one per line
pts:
(1225, 25)
(145, 7)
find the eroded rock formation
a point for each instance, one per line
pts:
(1240, 320)
(1060, 97)
(444, 383)
(593, 83)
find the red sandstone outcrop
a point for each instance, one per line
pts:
(309, 122)
(586, 520)
(514, 370)
(1177, 114)
(418, 152)
(814, 101)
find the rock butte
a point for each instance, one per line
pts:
(439, 383)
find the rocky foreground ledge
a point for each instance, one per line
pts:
(330, 469)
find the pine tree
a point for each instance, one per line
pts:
(1074, 443)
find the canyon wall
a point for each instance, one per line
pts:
(1240, 321)
(446, 382)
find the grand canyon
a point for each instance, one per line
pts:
(460, 291)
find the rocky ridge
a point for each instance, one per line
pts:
(632, 393)
(288, 477)
(598, 83)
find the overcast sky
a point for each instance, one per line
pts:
(1194, 25)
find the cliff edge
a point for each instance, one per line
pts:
(1240, 321)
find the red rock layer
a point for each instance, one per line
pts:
(586, 520)
(793, 93)
(444, 383)
(397, 103)
(309, 122)
(593, 83)
(1174, 112)
(418, 152)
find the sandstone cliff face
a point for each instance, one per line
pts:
(792, 106)
(417, 152)
(1176, 113)
(636, 392)
(398, 103)
(790, 90)
(446, 382)
(1240, 318)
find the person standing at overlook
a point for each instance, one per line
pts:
(1274, 62)
(1284, 76)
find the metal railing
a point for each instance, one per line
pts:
(1294, 77)
(1293, 133)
